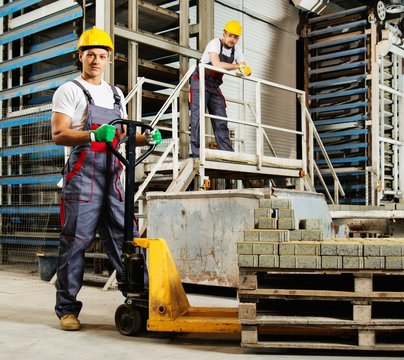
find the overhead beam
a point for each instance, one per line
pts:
(156, 41)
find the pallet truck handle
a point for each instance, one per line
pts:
(131, 124)
(130, 164)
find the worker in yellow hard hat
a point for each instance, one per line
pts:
(223, 53)
(92, 196)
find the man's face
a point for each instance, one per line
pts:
(94, 61)
(229, 40)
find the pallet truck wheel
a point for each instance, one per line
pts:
(128, 320)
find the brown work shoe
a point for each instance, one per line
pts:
(69, 322)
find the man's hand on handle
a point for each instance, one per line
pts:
(105, 133)
(152, 137)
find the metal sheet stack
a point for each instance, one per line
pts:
(337, 49)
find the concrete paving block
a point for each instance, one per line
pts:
(307, 249)
(267, 223)
(265, 203)
(350, 249)
(394, 262)
(287, 261)
(278, 203)
(371, 250)
(352, 262)
(328, 249)
(331, 262)
(312, 235)
(274, 235)
(265, 248)
(311, 224)
(287, 249)
(308, 262)
(287, 224)
(244, 248)
(248, 260)
(268, 261)
(251, 235)
(285, 213)
(390, 250)
(374, 262)
(295, 235)
(261, 212)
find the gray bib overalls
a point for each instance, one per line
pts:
(92, 199)
(215, 103)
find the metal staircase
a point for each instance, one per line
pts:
(337, 48)
(173, 174)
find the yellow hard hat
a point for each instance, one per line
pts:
(96, 38)
(233, 27)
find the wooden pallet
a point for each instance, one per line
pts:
(322, 310)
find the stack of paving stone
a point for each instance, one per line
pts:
(282, 241)
(275, 222)
(298, 290)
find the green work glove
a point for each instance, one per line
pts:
(152, 137)
(105, 133)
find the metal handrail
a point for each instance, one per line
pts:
(308, 137)
(173, 145)
(337, 183)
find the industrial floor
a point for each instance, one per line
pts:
(30, 330)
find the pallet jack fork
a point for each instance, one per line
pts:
(163, 304)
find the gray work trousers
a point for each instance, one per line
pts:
(216, 105)
(92, 199)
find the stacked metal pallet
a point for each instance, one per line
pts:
(336, 80)
(341, 294)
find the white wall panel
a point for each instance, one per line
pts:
(269, 45)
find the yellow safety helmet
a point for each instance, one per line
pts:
(233, 27)
(95, 38)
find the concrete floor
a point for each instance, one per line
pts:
(30, 330)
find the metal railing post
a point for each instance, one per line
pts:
(174, 122)
(260, 135)
(304, 140)
(202, 126)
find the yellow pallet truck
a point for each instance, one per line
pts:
(156, 301)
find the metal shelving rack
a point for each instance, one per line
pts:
(38, 54)
(338, 51)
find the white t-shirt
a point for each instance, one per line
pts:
(214, 46)
(70, 100)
